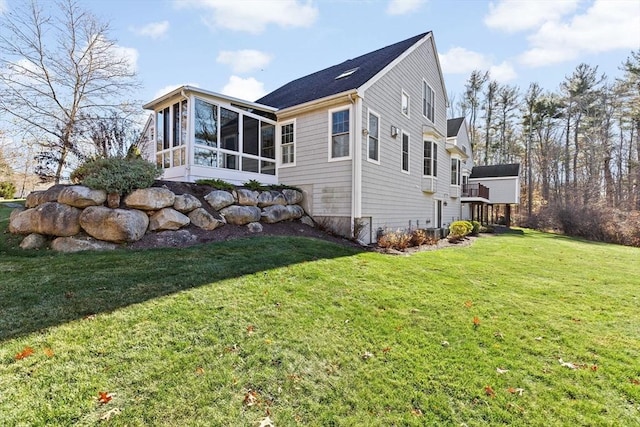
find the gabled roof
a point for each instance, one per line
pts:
(348, 75)
(453, 126)
(495, 171)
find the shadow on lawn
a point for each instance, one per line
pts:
(44, 289)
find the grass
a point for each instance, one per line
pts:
(314, 334)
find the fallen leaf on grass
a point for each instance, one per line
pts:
(445, 343)
(26, 352)
(250, 329)
(386, 350)
(367, 355)
(199, 370)
(567, 364)
(634, 381)
(251, 398)
(417, 412)
(518, 391)
(266, 422)
(476, 321)
(468, 304)
(594, 368)
(538, 338)
(489, 391)
(501, 371)
(48, 352)
(104, 397)
(110, 413)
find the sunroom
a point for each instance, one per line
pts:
(197, 134)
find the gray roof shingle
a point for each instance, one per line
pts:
(495, 171)
(453, 126)
(324, 83)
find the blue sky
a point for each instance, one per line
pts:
(246, 48)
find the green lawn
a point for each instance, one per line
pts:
(314, 334)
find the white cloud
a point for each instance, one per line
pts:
(607, 25)
(154, 30)
(248, 89)
(402, 7)
(129, 54)
(165, 90)
(521, 15)
(459, 60)
(3, 6)
(244, 61)
(253, 16)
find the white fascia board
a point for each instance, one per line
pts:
(327, 101)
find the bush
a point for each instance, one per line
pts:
(399, 240)
(418, 237)
(476, 228)
(7, 190)
(116, 174)
(253, 184)
(458, 230)
(218, 184)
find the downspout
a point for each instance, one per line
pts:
(356, 181)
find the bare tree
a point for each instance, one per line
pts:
(58, 69)
(473, 89)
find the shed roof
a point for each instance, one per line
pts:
(348, 75)
(495, 171)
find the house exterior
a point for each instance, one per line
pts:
(491, 192)
(367, 140)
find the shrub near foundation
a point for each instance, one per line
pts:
(116, 175)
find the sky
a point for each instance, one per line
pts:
(247, 48)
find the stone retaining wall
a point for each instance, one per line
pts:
(74, 218)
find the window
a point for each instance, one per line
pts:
(455, 171)
(229, 129)
(287, 144)
(373, 145)
(405, 152)
(428, 102)
(339, 134)
(430, 159)
(206, 123)
(405, 104)
(171, 135)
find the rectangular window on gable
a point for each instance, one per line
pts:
(373, 144)
(405, 103)
(428, 102)
(287, 144)
(339, 138)
(405, 152)
(430, 158)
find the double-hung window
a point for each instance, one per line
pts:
(339, 142)
(455, 171)
(287, 144)
(405, 152)
(430, 159)
(404, 103)
(373, 144)
(428, 102)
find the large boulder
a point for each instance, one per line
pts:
(203, 219)
(219, 199)
(176, 238)
(168, 219)
(50, 218)
(295, 211)
(293, 196)
(114, 225)
(185, 203)
(247, 197)
(36, 198)
(33, 241)
(150, 199)
(77, 244)
(275, 213)
(81, 196)
(241, 215)
(255, 227)
(270, 198)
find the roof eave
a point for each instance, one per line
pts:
(186, 88)
(315, 104)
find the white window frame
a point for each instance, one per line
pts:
(280, 144)
(402, 134)
(433, 160)
(456, 175)
(330, 133)
(402, 97)
(427, 112)
(370, 113)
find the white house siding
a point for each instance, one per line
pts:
(391, 198)
(327, 184)
(501, 190)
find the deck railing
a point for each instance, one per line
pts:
(475, 190)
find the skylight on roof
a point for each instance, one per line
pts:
(347, 73)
